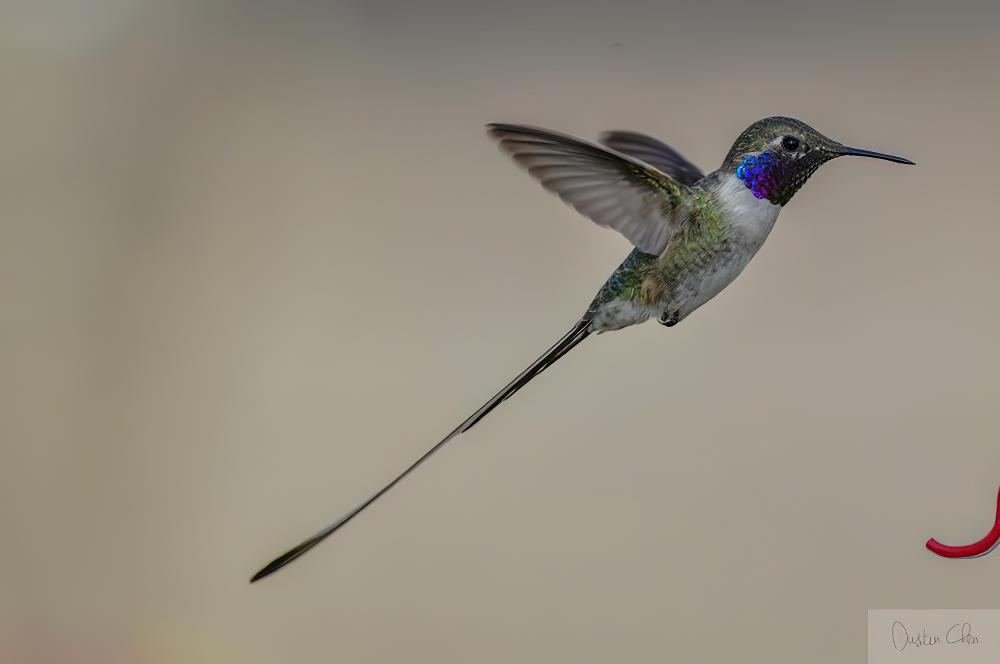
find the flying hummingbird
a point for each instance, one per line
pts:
(693, 233)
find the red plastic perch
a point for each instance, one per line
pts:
(981, 547)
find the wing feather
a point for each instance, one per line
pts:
(653, 152)
(613, 189)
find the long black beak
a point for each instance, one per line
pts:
(843, 150)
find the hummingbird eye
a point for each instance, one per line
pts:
(790, 143)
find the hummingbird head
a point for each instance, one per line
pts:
(775, 156)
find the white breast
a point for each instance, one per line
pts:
(749, 219)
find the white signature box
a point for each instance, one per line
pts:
(939, 636)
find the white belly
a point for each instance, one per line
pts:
(750, 220)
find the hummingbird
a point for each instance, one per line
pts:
(692, 233)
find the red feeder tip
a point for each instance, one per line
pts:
(979, 548)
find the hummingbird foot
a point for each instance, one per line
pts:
(669, 319)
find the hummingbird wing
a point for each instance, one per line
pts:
(613, 189)
(653, 152)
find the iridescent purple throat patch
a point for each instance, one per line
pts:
(761, 173)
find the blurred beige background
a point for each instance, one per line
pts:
(258, 257)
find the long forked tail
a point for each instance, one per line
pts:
(579, 332)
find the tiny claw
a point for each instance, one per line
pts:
(980, 548)
(668, 319)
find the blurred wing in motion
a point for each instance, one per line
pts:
(613, 189)
(653, 152)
